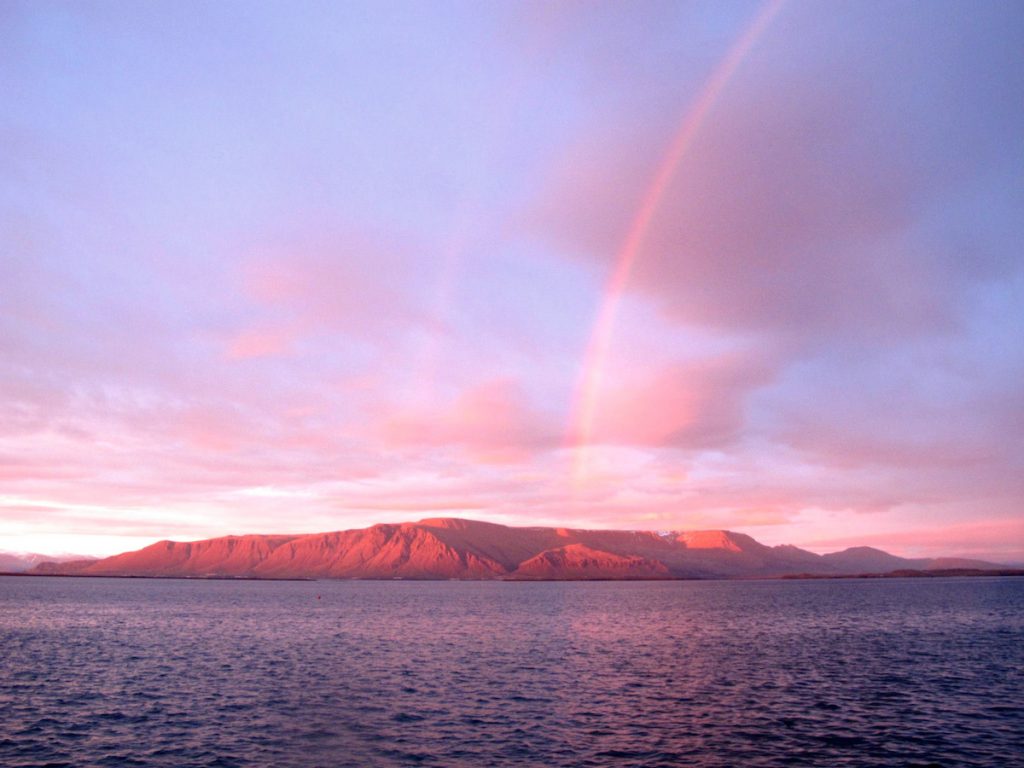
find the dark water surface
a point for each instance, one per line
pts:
(202, 673)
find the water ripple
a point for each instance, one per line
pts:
(192, 673)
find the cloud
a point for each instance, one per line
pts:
(693, 405)
(802, 208)
(256, 343)
(329, 281)
(492, 422)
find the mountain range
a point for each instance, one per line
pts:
(453, 548)
(19, 562)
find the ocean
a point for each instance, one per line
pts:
(139, 672)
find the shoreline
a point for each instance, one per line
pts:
(899, 574)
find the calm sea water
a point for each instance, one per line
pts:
(219, 673)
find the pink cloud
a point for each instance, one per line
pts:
(788, 214)
(695, 404)
(493, 422)
(216, 429)
(360, 284)
(258, 342)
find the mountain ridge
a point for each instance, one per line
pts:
(21, 562)
(457, 548)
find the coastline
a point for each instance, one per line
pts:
(899, 574)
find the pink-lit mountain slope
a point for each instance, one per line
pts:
(451, 548)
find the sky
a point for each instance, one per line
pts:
(299, 266)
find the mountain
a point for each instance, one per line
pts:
(578, 561)
(19, 562)
(452, 548)
(871, 560)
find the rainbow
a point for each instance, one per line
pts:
(596, 356)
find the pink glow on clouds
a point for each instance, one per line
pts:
(596, 358)
(254, 343)
(323, 294)
(692, 405)
(492, 422)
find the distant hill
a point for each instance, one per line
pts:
(871, 560)
(19, 562)
(452, 548)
